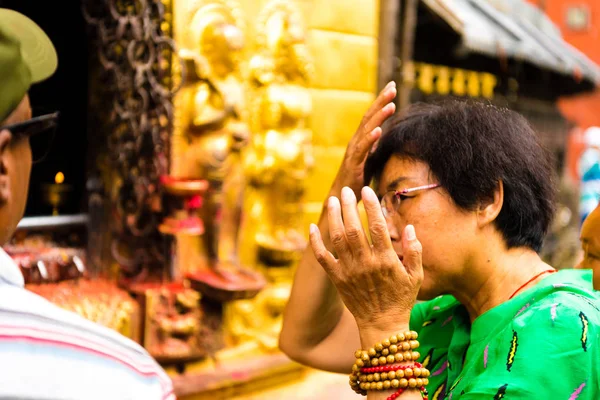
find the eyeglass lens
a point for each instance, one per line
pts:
(41, 144)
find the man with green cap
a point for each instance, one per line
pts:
(47, 352)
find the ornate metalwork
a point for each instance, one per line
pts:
(135, 51)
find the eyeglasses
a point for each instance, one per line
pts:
(40, 132)
(392, 199)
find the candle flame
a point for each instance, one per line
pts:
(59, 178)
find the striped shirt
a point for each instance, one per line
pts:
(49, 353)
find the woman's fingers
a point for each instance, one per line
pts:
(355, 235)
(377, 224)
(385, 96)
(323, 256)
(337, 232)
(412, 253)
(380, 116)
(374, 146)
(364, 145)
(370, 129)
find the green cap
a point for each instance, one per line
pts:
(27, 56)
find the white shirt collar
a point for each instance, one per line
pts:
(9, 270)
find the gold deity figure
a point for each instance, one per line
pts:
(259, 320)
(279, 157)
(211, 104)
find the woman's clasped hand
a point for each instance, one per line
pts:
(377, 285)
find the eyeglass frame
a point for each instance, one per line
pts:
(398, 193)
(34, 126)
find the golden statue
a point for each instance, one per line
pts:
(279, 157)
(259, 320)
(211, 115)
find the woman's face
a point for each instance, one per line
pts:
(446, 232)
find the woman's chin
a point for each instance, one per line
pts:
(427, 293)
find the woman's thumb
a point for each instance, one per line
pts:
(412, 251)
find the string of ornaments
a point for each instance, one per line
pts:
(379, 368)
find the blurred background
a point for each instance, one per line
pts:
(198, 139)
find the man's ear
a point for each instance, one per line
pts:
(5, 138)
(488, 211)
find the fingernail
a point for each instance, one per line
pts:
(390, 84)
(374, 147)
(313, 229)
(366, 193)
(331, 202)
(347, 194)
(376, 132)
(390, 107)
(410, 232)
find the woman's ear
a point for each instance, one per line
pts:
(5, 138)
(488, 210)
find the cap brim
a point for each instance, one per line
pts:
(37, 49)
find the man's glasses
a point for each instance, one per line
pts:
(390, 202)
(40, 132)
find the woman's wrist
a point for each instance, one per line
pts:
(389, 364)
(371, 333)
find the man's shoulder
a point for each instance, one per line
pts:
(26, 315)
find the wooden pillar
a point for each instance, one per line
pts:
(407, 40)
(389, 20)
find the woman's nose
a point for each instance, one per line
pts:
(392, 229)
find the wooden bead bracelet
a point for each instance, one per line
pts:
(375, 368)
(422, 389)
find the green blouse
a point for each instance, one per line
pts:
(542, 344)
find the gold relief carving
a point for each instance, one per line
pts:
(259, 320)
(211, 103)
(212, 116)
(323, 155)
(279, 157)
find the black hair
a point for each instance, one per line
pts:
(469, 147)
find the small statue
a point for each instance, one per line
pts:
(259, 320)
(172, 322)
(280, 154)
(212, 107)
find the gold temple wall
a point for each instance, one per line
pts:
(342, 38)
